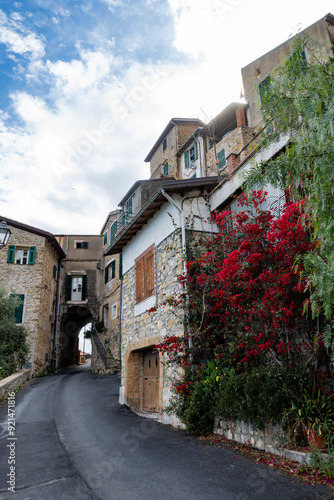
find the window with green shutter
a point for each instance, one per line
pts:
(113, 231)
(264, 87)
(186, 159)
(166, 168)
(221, 158)
(105, 238)
(68, 287)
(32, 253)
(120, 266)
(19, 308)
(11, 254)
(110, 271)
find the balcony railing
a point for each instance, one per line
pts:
(119, 224)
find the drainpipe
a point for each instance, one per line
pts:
(183, 241)
(54, 354)
(120, 312)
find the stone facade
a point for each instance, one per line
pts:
(144, 331)
(260, 69)
(38, 283)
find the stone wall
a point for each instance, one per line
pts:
(243, 432)
(37, 284)
(11, 383)
(145, 331)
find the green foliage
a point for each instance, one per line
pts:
(13, 337)
(299, 105)
(261, 395)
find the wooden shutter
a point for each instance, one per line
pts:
(84, 287)
(32, 253)
(105, 238)
(166, 168)
(84, 244)
(106, 274)
(113, 269)
(186, 159)
(139, 277)
(221, 158)
(68, 287)
(11, 254)
(149, 273)
(19, 308)
(195, 150)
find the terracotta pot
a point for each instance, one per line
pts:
(315, 441)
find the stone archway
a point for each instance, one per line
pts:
(70, 325)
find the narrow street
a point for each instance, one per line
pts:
(74, 441)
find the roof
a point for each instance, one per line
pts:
(168, 128)
(223, 119)
(154, 204)
(138, 183)
(40, 232)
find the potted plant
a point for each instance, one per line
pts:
(315, 414)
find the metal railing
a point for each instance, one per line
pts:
(118, 224)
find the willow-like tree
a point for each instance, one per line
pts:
(299, 103)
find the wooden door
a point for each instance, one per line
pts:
(151, 380)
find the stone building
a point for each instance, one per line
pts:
(152, 246)
(29, 267)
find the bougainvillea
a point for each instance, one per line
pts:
(245, 294)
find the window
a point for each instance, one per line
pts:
(75, 288)
(186, 159)
(105, 314)
(164, 144)
(113, 231)
(128, 209)
(105, 238)
(81, 244)
(21, 255)
(114, 311)
(221, 159)
(144, 275)
(110, 271)
(166, 169)
(263, 89)
(19, 308)
(193, 152)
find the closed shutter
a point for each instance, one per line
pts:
(68, 287)
(106, 274)
(113, 269)
(32, 253)
(221, 158)
(149, 274)
(84, 287)
(166, 169)
(139, 276)
(84, 244)
(186, 159)
(19, 307)
(195, 150)
(11, 254)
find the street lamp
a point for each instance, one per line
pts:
(5, 233)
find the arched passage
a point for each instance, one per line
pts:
(71, 323)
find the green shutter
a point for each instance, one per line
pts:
(186, 159)
(84, 244)
(84, 287)
(113, 231)
(221, 158)
(19, 309)
(32, 253)
(166, 170)
(11, 254)
(120, 266)
(264, 87)
(68, 287)
(106, 274)
(113, 269)
(195, 150)
(55, 272)
(105, 238)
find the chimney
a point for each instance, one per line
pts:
(232, 162)
(240, 115)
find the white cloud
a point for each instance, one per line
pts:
(19, 39)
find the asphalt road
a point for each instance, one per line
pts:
(72, 440)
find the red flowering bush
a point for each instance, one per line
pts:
(245, 294)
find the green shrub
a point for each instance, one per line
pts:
(260, 396)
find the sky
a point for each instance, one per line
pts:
(87, 86)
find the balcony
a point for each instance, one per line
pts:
(118, 224)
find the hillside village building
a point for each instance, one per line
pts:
(115, 277)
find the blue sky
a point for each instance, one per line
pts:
(87, 87)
